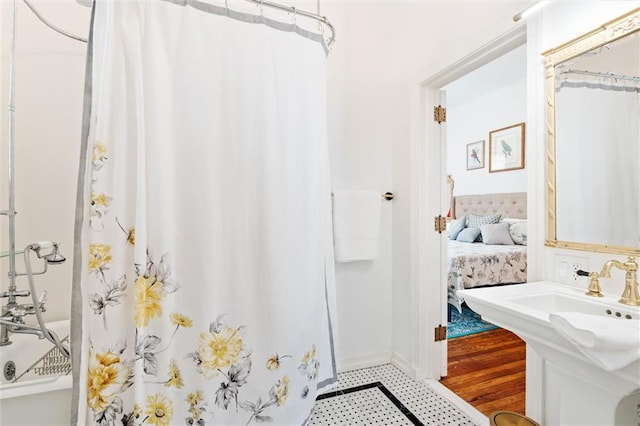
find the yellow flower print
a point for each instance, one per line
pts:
(194, 398)
(137, 410)
(196, 413)
(180, 320)
(309, 354)
(131, 236)
(99, 155)
(159, 410)
(218, 350)
(175, 378)
(131, 233)
(282, 390)
(106, 378)
(99, 256)
(149, 297)
(273, 362)
(101, 200)
(99, 151)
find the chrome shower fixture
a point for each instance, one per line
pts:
(49, 251)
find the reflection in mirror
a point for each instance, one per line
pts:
(594, 153)
(598, 145)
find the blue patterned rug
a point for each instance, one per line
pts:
(466, 323)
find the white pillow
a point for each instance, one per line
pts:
(518, 232)
(496, 234)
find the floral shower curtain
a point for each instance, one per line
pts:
(204, 261)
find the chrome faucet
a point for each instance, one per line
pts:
(630, 294)
(13, 313)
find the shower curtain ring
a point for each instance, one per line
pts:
(295, 14)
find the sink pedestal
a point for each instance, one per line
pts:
(574, 394)
(574, 390)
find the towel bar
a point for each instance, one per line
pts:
(387, 196)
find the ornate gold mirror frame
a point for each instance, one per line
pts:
(607, 33)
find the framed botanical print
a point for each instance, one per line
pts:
(475, 155)
(506, 148)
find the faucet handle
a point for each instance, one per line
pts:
(43, 297)
(24, 293)
(18, 312)
(594, 289)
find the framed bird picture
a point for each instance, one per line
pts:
(506, 148)
(475, 155)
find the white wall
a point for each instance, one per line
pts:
(49, 84)
(490, 98)
(360, 144)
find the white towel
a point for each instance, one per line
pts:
(612, 343)
(356, 225)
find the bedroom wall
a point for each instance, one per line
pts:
(490, 98)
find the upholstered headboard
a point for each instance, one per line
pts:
(512, 205)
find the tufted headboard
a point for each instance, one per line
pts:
(511, 204)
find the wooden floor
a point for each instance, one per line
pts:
(488, 370)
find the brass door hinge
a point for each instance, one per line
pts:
(439, 114)
(440, 333)
(440, 223)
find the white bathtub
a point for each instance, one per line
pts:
(35, 399)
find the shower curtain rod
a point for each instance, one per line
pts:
(50, 25)
(295, 11)
(289, 9)
(602, 74)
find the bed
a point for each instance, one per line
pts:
(498, 260)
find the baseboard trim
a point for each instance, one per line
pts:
(374, 360)
(404, 365)
(365, 361)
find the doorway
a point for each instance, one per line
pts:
(486, 366)
(434, 198)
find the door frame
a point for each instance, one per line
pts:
(429, 189)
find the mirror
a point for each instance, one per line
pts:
(593, 140)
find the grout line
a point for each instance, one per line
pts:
(391, 397)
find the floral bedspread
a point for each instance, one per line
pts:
(477, 264)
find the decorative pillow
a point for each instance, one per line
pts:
(468, 235)
(474, 221)
(518, 232)
(496, 233)
(455, 226)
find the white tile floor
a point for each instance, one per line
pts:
(416, 403)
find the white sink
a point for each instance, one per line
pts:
(559, 302)
(576, 391)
